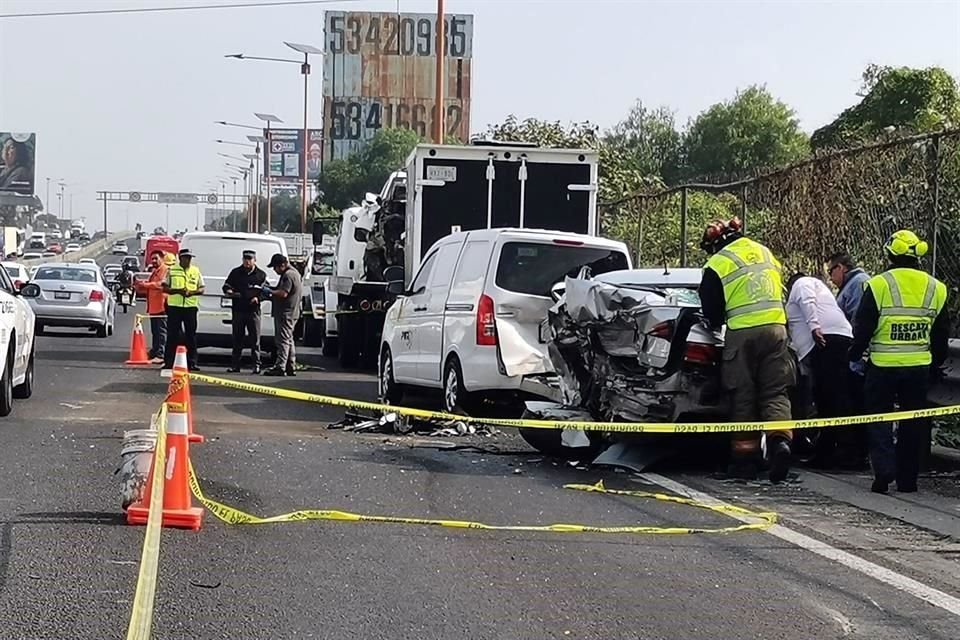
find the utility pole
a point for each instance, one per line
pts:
(439, 126)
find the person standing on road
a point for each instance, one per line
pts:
(741, 287)
(286, 300)
(821, 335)
(152, 289)
(243, 286)
(903, 320)
(850, 280)
(183, 286)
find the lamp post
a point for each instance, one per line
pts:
(306, 50)
(268, 118)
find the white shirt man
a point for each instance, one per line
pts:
(813, 314)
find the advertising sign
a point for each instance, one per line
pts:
(379, 71)
(285, 149)
(18, 162)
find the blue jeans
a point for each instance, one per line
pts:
(158, 337)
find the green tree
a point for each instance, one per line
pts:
(750, 132)
(899, 99)
(344, 182)
(648, 141)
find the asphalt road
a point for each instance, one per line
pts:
(844, 563)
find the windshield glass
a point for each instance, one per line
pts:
(65, 273)
(323, 264)
(216, 257)
(533, 268)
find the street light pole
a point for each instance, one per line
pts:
(305, 69)
(46, 203)
(234, 216)
(438, 122)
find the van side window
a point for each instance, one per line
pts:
(423, 277)
(473, 268)
(446, 261)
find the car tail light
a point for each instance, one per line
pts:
(486, 322)
(662, 330)
(702, 354)
(96, 296)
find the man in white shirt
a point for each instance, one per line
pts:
(821, 335)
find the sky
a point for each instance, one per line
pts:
(128, 102)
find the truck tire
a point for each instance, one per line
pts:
(348, 348)
(312, 332)
(330, 346)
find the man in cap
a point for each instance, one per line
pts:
(741, 287)
(243, 286)
(903, 320)
(286, 300)
(183, 286)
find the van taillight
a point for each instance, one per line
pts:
(486, 322)
(702, 354)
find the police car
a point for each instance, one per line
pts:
(17, 345)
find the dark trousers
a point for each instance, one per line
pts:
(835, 396)
(158, 336)
(906, 387)
(245, 323)
(181, 329)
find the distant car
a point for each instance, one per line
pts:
(133, 261)
(87, 261)
(119, 248)
(71, 248)
(48, 254)
(55, 247)
(56, 234)
(84, 237)
(32, 255)
(71, 295)
(17, 272)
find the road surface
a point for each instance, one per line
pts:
(842, 564)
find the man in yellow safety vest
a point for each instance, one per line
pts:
(742, 288)
(903, 320)
(183, 286)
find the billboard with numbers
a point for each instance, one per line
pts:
(379, 71)
(18, 162)
(284, 155)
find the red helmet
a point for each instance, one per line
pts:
(718, 230)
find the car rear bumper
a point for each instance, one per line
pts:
(70, 315)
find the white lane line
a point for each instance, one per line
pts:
(926, 593)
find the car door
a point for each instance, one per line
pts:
(404, 347)
(12, 321)
(429, 319)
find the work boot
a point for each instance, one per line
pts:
(778, 457)
(256, 370)
(880, 485)
(233, 370)
(274, 372)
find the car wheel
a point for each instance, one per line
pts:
(25, 390)
(456, 398)
(6, 387)
(102, 331)
(390, 391)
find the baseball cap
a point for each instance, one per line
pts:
(277, 259)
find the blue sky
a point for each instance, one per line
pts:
(128, 101)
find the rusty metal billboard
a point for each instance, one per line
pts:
(379, 71)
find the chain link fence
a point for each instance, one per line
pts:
(850, 201)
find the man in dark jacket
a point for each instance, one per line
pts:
(243, 286)
(903, 320)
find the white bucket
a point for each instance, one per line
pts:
(137, 455)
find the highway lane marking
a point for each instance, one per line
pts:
(891, 578)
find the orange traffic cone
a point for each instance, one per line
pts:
(180, 370)
(178, 509)
(138, 345)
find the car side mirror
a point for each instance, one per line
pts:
(393, 272)
(30, 290)
(395, 287)
(360, 235)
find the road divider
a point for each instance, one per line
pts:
(580, 425)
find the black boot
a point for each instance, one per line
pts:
(778, 456)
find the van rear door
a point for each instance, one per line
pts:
(527, 268)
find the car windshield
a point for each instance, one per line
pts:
(65, 273)
(323, 264)
(533, 268)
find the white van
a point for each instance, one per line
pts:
(471, 322)
(217, 253)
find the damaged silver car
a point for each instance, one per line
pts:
(629, 346)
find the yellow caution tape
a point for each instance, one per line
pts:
(141, 618)
(214, 314)
(582, 425)
(765, 520)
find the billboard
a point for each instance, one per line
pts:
(284, 155)
(379, 71)
(17, 162)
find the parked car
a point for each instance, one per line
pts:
(72, 247)
(119, 248)
(71, 295)
(471, 321)
(55, 247)
(17, 272)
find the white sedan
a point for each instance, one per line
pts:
(16, 344)
(72, 247)
(119, 248)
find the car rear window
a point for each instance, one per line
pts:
(70, 275)
(533, 268)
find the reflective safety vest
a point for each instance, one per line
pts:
(188, 279)
(752, 288)
(908, 300)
